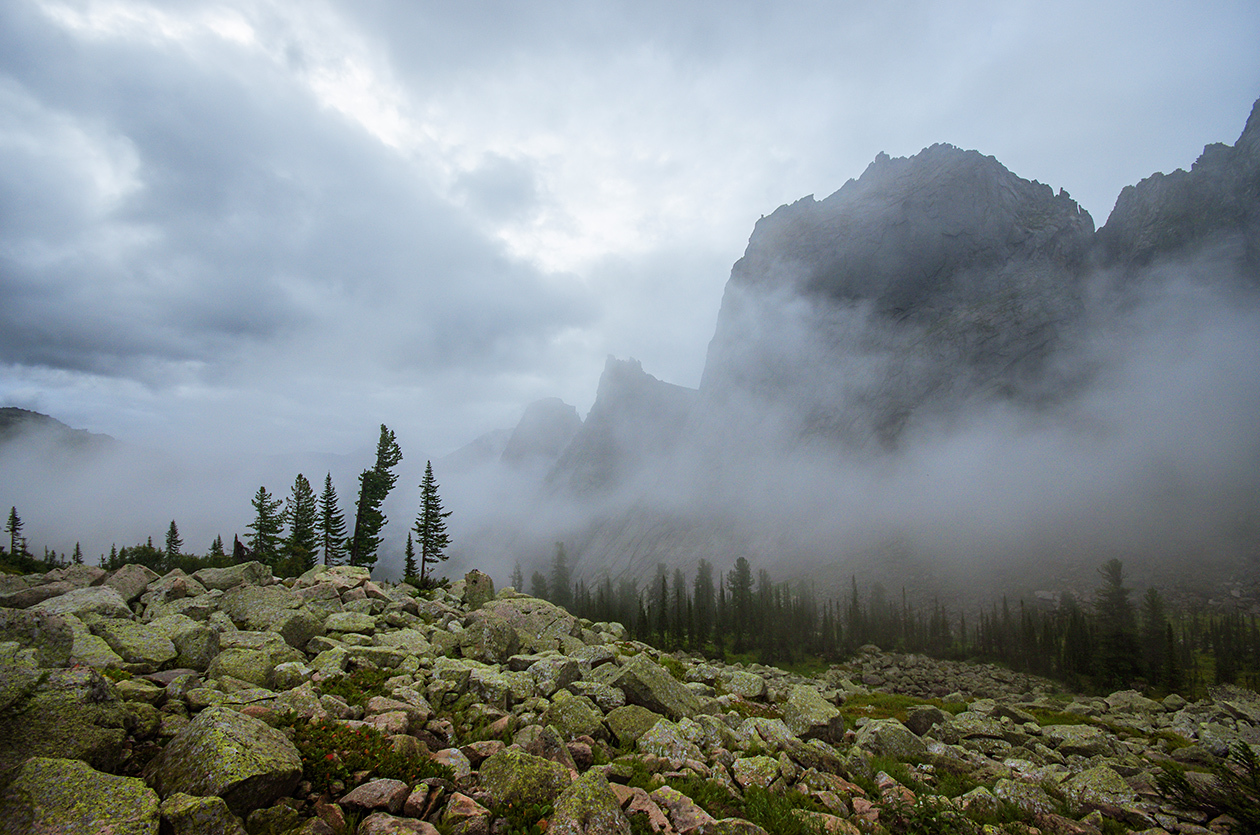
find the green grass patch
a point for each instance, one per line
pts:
(886, 706)
(674, 667)
(359, 686)
(526, 819)
(778, 813)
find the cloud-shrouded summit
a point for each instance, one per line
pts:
(235, 230)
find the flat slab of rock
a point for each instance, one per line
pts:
(650, 685)
(221, 752)
(100, 600)
(69, 797)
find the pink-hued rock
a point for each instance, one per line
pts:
(377, 795)
(385, 824)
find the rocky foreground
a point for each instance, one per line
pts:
(229, 702)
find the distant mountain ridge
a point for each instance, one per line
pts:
(15, 422)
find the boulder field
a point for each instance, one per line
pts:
(221, 702)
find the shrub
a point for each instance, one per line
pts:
(526, 819)
(333, 752)
(1234, 789)
(359, 686)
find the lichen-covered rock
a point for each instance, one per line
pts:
(554, 673)
(810, 716)
(248, 573)
(196, 644)
(100, 600)
(383, 823)
(742, 683)
(588, 807)
(131, 580)
(350, 622)
(1085, 740)
(74, 713)
(252, 665)
(630, 722)
(49, 635)
(465, 816)
(755, 771)
(141, 647)
(664, 739)
(186, 814)
(377, 795)
(539, 625)
(91, 649)
(68, 797)
(649, 685)
(1028, 797)
(574, 716)
(516, 777)
(478, 589)
(890, 738)
(221, 752)
(19, 673)
(1099, 785)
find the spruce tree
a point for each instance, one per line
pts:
(301, 545)
(78, 555)
(703, 593)
(1117, 627)
(517, 580)
(538, 585)
(17, 545)
(267, 525)
(409, 559)
(216, 547)
(739, 582)
(331, 525)
(431, 523)
(173, 544)
(561, 583)
(374, 486)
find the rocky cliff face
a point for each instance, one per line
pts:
(636, 419)
(544, 432)
(1216, 204)
(927, 280)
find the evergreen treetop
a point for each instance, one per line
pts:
(374, 486)
(430, 524)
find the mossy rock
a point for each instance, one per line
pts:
(73, 713)
(522, 779)
(588, 805)
(70, 797)
(186, 814)
(631, 722)
(237, 757)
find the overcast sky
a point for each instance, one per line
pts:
(275, 224)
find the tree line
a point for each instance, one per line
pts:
(1110, 643)
(290, 535)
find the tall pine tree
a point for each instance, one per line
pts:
(267, 525)
(173, 544)
(561, 582)
(17, 543)
(331, 524)
(302, 543)
(374, 486)
(409, 559)
(431, 523)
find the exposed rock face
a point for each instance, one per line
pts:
(635, 419)
(1214, 204)
(543, 433)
